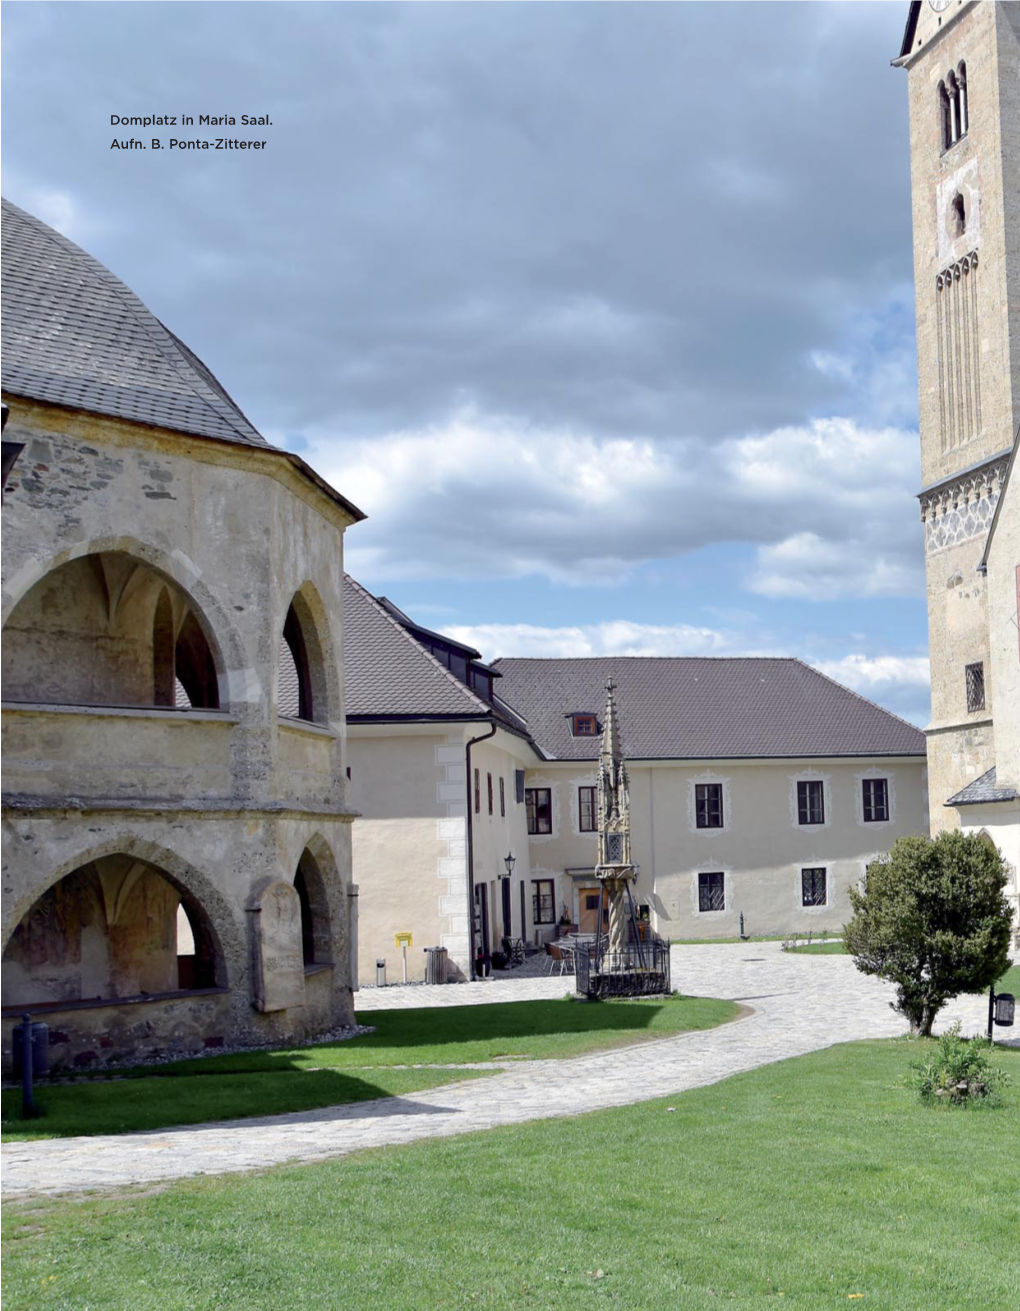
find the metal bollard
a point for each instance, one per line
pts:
(380, 974)
(31, 1047)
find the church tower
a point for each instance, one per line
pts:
(963, 70)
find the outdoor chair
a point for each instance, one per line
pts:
(514, 949)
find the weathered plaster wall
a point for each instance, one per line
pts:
(219, 802)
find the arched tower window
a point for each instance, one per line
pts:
(945, 117)
(964, 108)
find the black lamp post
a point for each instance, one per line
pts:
(509, 860)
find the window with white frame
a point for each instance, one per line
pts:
(539, 808)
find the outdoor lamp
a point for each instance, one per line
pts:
(509, 860)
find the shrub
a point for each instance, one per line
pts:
(956, 1071)
(932, 919)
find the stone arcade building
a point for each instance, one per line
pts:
(176, 838)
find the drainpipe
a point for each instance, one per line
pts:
(482, 737)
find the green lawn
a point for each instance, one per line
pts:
(1010, 981)
(302, 1078)
(810, 1184)
(821, 949)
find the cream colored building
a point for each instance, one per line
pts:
(176, 850)
(437, 774)
(963, 72)
(757, 787)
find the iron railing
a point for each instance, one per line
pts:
(641, 968)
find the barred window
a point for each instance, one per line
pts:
(812, 887)
(975, 686)
(587, 806)
(876, 800)
(810, 803)
(712, 891)
(539, 806)
(708, 805)
(614, 848)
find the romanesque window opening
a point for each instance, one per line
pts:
(810, 803)
(587, 808)
(813, 886)
(539, 807)
(959, 215)
(876, 800)
(543, 901)
(975, 678)
(708, 805)
(711, 891)
(954, 113)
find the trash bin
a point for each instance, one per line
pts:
(40, 1045)
(435, 964)
(380, 974)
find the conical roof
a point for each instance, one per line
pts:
(75, 335)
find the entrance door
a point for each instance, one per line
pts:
(508, 927)
(588, 903)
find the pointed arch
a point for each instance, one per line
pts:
(316, 931)
(104, 627)
(307, 684)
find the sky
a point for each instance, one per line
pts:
(603, 313)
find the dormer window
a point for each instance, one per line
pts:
(584, 726)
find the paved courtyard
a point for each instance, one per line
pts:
(799, 1004)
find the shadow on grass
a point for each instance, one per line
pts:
(135, 1105)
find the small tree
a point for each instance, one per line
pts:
(932, 919)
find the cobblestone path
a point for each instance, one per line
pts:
(800, 1004)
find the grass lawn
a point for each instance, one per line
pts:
(809, 1184)
(821, 949)
(302, 1078)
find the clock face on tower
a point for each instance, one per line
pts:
(939, 5)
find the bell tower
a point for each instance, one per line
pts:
(963, 71)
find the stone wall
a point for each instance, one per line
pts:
(101, 518)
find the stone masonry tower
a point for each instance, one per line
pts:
(963, 66)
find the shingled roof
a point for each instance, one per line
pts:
(983, 790)
(389, 675)
(75, 335)
(689, 708)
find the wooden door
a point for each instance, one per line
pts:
(588, 908)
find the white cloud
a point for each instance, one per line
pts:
(828, 506)
(866, 674)
(619, 637)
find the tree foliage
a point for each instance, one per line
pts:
(932, 918)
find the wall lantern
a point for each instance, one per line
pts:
(509, 860)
